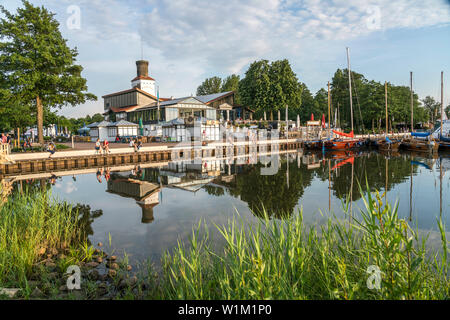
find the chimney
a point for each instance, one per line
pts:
(142, 68)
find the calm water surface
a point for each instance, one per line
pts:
(145, 211)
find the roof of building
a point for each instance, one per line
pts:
(135, 89)
(99, 124)
(142, 78)
(122, 123)
(212, 97)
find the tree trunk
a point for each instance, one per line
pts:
(40, 120)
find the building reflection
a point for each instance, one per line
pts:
(144, 192)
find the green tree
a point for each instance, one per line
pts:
(36, 64)
(270, 87)
(231, 83)
(209, 86)
(432, 107)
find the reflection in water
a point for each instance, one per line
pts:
(147, 208)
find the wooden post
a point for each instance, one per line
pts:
(350, 87)
(385, 98)
(442, 102)
(329, 106)
(412, 97)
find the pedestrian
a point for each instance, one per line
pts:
(51, 148)
(117, 138)
(106, 146)
(97, 146)
(8, 139)
(3, 138)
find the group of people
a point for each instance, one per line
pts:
(104, 147)
(5, 139)
(135, 144)
(103, 171)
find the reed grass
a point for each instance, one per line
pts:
(287, 260)
(29, 223)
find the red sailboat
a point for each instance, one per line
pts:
(343, 143)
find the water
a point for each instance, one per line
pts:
(146, 210)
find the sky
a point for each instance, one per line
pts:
(186, 41)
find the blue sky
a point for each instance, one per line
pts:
(189, 40)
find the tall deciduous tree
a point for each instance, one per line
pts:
(210, 86)
(36, 64)
(432, 107)
(231, 83)
(270, 87)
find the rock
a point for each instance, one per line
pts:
(129, 268)
(130, 282)
(92, 264)
(37, 293)
(112, 258)
(114, 266)
(97, 251)
(9, 292)
(99, 260)
(100, 244)
(112, 273)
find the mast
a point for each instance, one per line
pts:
(385, 98)
(329, 106)
(412, 114)
(350, 87)
(442, 101)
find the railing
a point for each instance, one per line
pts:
(4, 149)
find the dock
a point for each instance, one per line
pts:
(39, 162)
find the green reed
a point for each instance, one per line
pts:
(287, 260)
(29, 223)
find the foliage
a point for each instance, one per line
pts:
(209, 86)
(37, 67)
(270, 87)
(287, 260)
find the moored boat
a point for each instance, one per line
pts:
(420, 145)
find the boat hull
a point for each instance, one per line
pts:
(384, 146)
(420, 145)
(343, 144)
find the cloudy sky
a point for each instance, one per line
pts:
(189, 40)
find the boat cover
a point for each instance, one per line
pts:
(350, 135)
(420, 134)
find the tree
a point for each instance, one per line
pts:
(37, 66)
(210, 86)
(231, 83)
(432, 107)
(270, 87)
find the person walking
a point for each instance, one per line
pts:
(97, 146)
(3, 138)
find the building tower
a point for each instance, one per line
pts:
(143, 81)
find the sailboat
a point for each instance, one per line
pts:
(387, 144)
(419, 141)
(444, 129)
(342, 143)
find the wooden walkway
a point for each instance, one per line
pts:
(33, 163)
